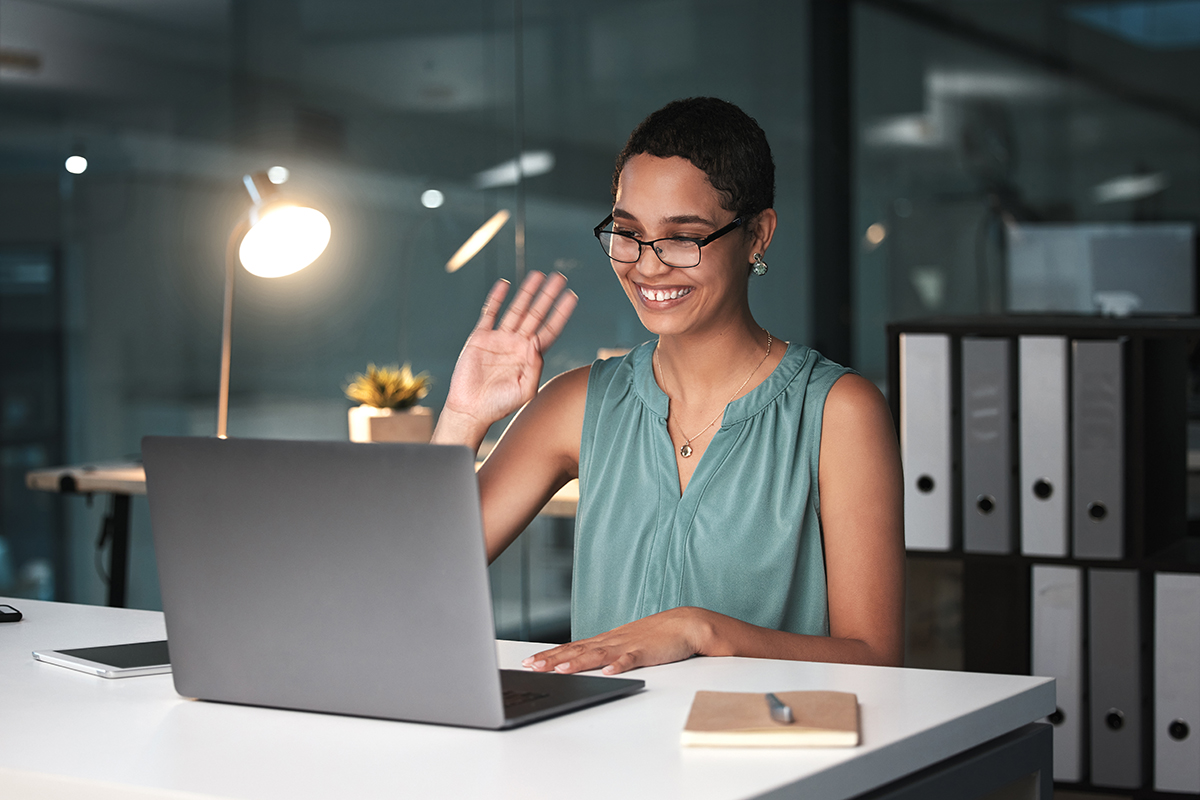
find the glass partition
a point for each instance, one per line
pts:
(402, 122)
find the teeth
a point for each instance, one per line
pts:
(664, 294)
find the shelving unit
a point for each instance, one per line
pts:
(1160, 362)
(32, 555)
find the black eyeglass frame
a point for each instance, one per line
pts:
(700, 243)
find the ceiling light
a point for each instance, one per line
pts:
(1130, 187)
(876, 233)
(432, 198)
(76, 165)
(532, 163)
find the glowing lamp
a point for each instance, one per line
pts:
(285, 239)
(275, 239)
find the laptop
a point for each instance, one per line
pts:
(339, 578)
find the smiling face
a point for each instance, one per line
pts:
(663, 197)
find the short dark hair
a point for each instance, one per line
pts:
(718, 138)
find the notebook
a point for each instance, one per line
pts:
(340, 578)
(743, 719)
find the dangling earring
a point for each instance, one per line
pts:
(759, 267)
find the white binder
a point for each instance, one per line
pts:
(925, 439)
(1057, 653)
(1044, 448)
(1176, 682)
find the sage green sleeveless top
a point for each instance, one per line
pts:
(744, 539)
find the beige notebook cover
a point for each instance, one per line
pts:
(743, 719)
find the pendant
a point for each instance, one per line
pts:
(685, 451)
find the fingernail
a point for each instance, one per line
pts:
(525, 662)
(609, 670)
(538, 664)
(563, 667)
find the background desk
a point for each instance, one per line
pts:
(60, 726)
(119, 480)
(123, 480)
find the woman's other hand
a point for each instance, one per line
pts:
(500, 366)
(660, 638)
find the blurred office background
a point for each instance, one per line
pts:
(909, 136)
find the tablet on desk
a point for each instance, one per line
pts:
(112, 661)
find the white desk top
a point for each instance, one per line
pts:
(60, 726)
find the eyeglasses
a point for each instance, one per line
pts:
(674, 251)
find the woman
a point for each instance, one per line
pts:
(739, 495)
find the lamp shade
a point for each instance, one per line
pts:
(285, 239)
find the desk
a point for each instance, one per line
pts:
(122, 480)
(60, 726)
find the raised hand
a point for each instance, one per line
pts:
(500, 367)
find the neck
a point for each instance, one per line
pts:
(702, 366)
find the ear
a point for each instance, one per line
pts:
(762, 230)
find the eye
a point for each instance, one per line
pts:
(626, 231)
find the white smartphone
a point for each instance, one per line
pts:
(114, 660)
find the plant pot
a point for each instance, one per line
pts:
(371, 424)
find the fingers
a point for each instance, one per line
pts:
(557, 320)
(539, 310)
(624, 663)
(487, 317)
(569, 658)
(550, 289)
(517, 309)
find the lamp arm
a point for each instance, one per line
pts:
(231, 258)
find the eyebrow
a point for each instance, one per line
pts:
(679, 219)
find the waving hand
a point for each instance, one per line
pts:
(500, 367)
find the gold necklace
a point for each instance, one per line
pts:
(686, 449)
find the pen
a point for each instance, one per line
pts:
(780, 712)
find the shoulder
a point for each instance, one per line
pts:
(856, 423)
(853, 396)
(855, 408)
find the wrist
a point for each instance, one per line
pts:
(455, 427)
(704, 631)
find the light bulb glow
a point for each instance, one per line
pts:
(432, 198)
(75, 165)
(278, 175)
(477, 240)
(285, 240)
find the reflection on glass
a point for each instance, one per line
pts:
(477, 241)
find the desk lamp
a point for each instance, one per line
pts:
(275, 239)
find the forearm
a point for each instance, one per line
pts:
(720, 635)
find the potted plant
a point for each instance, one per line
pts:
(388, 410)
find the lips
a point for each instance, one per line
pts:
(661, 295)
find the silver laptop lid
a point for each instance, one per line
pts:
(325, 576)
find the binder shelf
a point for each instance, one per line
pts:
(1046, 458)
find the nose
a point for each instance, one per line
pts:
(649, 263)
